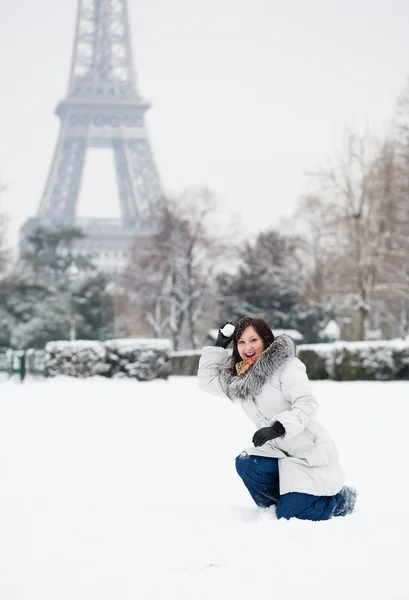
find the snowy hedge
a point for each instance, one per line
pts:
(341, 361)
(146, 359)
(81, 358)
(185, 362)
(346, 361)
(141, 359)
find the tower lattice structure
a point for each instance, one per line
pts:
(102, 108)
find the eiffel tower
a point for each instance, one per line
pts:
(102, 108)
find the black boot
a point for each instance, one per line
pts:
(346, 502)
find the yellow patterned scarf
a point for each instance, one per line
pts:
(243, 366)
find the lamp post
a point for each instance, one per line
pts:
(115, 292)
(72, 273)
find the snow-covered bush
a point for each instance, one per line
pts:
(80, 358)
(345, 361)
(363, 363)
(401, 359)
(318, 363)
(146, 359)
(142, 359)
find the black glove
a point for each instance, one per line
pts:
(268, 433)
(222, 340)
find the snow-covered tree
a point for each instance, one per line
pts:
(170, 276)
(49, 253)
(40, 300)
(271, 281)
(50, 321)
(29, 310)
(93, 308)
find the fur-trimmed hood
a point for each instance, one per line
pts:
(270, 361)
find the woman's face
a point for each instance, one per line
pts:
(249, 343)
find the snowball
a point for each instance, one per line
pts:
(227, 330)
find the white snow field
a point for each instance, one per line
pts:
(119, 490)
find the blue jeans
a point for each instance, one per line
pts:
(261, 478)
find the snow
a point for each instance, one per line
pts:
(228, 330)
(118, 489)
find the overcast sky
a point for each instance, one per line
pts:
(247, 95)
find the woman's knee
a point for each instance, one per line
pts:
(256, 466)
(243, 464)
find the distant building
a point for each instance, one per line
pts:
(102, 109)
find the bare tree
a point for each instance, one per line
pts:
(363, 188)
(317, 221)
(144, 283)
(170, 277)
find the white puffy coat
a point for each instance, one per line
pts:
(277, 388)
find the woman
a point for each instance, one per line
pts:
(293, 462)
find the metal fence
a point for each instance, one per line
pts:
(21, 363)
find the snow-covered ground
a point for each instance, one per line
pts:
(117, 490)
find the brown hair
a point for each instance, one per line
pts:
(263, 329)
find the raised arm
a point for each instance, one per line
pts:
(212, 360)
